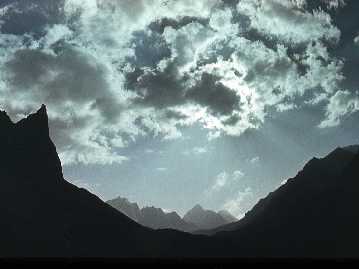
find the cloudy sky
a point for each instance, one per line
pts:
(173, 103)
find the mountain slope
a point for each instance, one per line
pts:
(44, 215)
(228, 217)
(314, 214)
(131, 210)
(204, 219)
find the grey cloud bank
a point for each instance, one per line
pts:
(113, 71)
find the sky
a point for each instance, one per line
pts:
(177, 103)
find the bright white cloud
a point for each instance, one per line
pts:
(341, 104)
(196, 151)
(234, 206)
(162, 169)
(224, 180)
(111, 71)
(254, 160)
(288, 21)
(356, 40)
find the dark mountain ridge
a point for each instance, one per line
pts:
(314, 214)
(44, 215)
(156, 218)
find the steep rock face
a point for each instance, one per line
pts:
(27, 143)
(44, 215)
(49, 216)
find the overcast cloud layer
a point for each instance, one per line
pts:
(112, 71)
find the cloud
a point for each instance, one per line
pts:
(288, 21)
(221, 181)
(237, 205)
(111, 71)
(224, 180)
(162, 169)
(254, 160)
(196, 151)
(356, 40)
(341, 104)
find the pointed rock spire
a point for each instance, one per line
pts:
(36, 123)
(5, 120)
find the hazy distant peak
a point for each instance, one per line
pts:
(197, 207)
(227, 216)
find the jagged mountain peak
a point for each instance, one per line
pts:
(28, 144)
(5, 119)
(36, 123)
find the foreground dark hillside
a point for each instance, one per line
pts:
(314, 214)
(44, 215)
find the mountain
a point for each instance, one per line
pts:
(43, 215)
(204, 219)
(157, 219)
(315, 214)
(131, 210)
(352, 148)
(151, 217)
(228, 217)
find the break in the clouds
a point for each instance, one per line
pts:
(112, 71)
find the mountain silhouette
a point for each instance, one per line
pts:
(43, 215)
(228, 217)
(207, 219)
(151, 217)
(196, 219)
(131, 210)
(315, 214)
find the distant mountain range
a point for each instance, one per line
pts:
(315, 214)
(195, 219)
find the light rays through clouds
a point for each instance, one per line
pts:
(112, 71)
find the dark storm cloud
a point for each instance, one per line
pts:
(211, 93)
(150, 48)
(69, 75)
(222, 63)
(346, 20)
(160, 24)
(158, 88)
(31, 16)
